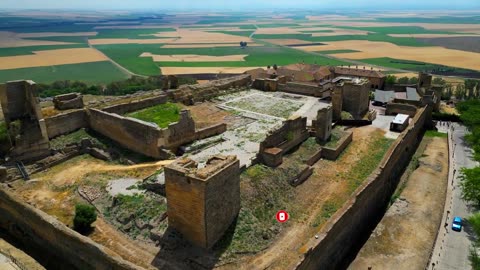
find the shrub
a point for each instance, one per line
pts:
(85, 215)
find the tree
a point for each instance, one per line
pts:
(85, 215)
(447, 92)
(390, 80)
(275, 67)
(439, 80)
(413, 80)
(460, 92)
(470, 184)
(403, 80)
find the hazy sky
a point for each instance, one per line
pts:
(241, 4)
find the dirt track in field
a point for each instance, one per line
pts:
(194, 58)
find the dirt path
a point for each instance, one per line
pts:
(54, 192)
(124, 70)
(405, 235)
(324, 185)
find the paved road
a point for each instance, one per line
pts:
(456, 245)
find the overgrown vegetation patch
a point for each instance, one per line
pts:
(162, 115)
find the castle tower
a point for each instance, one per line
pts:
(203, 203)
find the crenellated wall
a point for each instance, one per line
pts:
(359, 216)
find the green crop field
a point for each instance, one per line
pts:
(97, 72)
(131, 33)
(30, 49)
(401, 41)
(75, 39)
(162, 115)
(127, 56)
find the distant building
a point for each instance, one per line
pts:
(383, 97)
(376, 78)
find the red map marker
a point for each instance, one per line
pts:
(282, 216)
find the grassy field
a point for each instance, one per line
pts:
(131, 33)
(235, 33)
(401, 41)
(162, 115)
(97, 72)
(127, 56)
(399, 30)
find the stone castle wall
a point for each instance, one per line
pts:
(133, 134)
(355, 220)
(66, 123)
(189, 94)
(50, 242)
(396, 108)
(136, 105)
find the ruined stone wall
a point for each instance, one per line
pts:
(50, 242)
(147, 138)
(332, 153)
(136, 105)
(302, 89)
(323, 124)
(189, 94)
(68, 101)
(277, 143)
(337, 103)
(133, 134)
(66, 123)
(359, 216)
(396, 108)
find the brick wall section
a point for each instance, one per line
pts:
(356, 98)
(189, 94)
(202, 203)
(136, 105)
(396, 108)
(333, 153)
(68, 101)
(355, 220)
(51, 242)
(66, 123)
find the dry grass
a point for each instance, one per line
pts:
(194, 58)
(434, 55)
(195, 36)
(52, 58)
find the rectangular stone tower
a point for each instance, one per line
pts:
(356, 97)
(203, 202)
(24, 119)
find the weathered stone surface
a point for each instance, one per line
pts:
(202, 203)
(100, 154)
(3, 174)
(68, 101)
